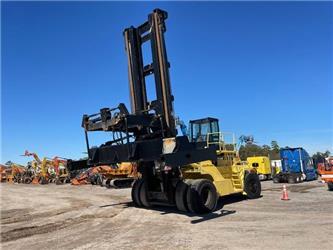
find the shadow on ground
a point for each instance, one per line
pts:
(167, 209)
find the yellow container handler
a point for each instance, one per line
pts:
(263, 166)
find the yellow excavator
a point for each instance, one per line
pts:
(61, 171)
(43, 169)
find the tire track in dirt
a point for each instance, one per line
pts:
(24, 232)
(21, 215)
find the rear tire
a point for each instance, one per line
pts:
(276, 179)
(252, 186)
(181, 195)
(135, 193)
(143, 194)
(291, 179)
(330, 186)
(201, 196)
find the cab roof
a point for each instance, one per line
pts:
(204, 120)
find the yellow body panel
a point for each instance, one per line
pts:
(227, 175)
(261, 163)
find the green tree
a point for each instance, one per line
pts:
(275, 146)
(275, 151)
(266, 150)
(250, 150)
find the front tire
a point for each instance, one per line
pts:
(202, 196)
(252, 186)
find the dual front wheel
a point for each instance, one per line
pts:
(196, 196)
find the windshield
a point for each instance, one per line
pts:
(201, 129)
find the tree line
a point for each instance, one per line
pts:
(273, 152)
(248, 150)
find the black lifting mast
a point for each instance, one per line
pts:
(153, 31)
(148, 134)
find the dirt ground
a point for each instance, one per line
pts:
(85, 217)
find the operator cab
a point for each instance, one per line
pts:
(202, 128)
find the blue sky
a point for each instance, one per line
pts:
(262, 68)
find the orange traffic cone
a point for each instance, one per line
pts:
(285, 194)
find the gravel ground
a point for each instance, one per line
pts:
(85, 217)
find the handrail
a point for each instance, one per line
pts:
(221, 141)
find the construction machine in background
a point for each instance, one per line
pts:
(190, 172)
(62, 175)
(117, 176)
(263, 166)
(15, 173)
(90, 175)
(326, 172)
(82, 177)
(3, 175)
(43, 169)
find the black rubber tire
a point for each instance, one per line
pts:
(201, 196)
(252, 186)
(188, 196)
(27, 180)
(291, 179)
(330, 186)
(181, 195)
(93, 179)
(143, 194)
(99, 180)
(276, 179)
(135, 193)
(43, 181)
(58, 181)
